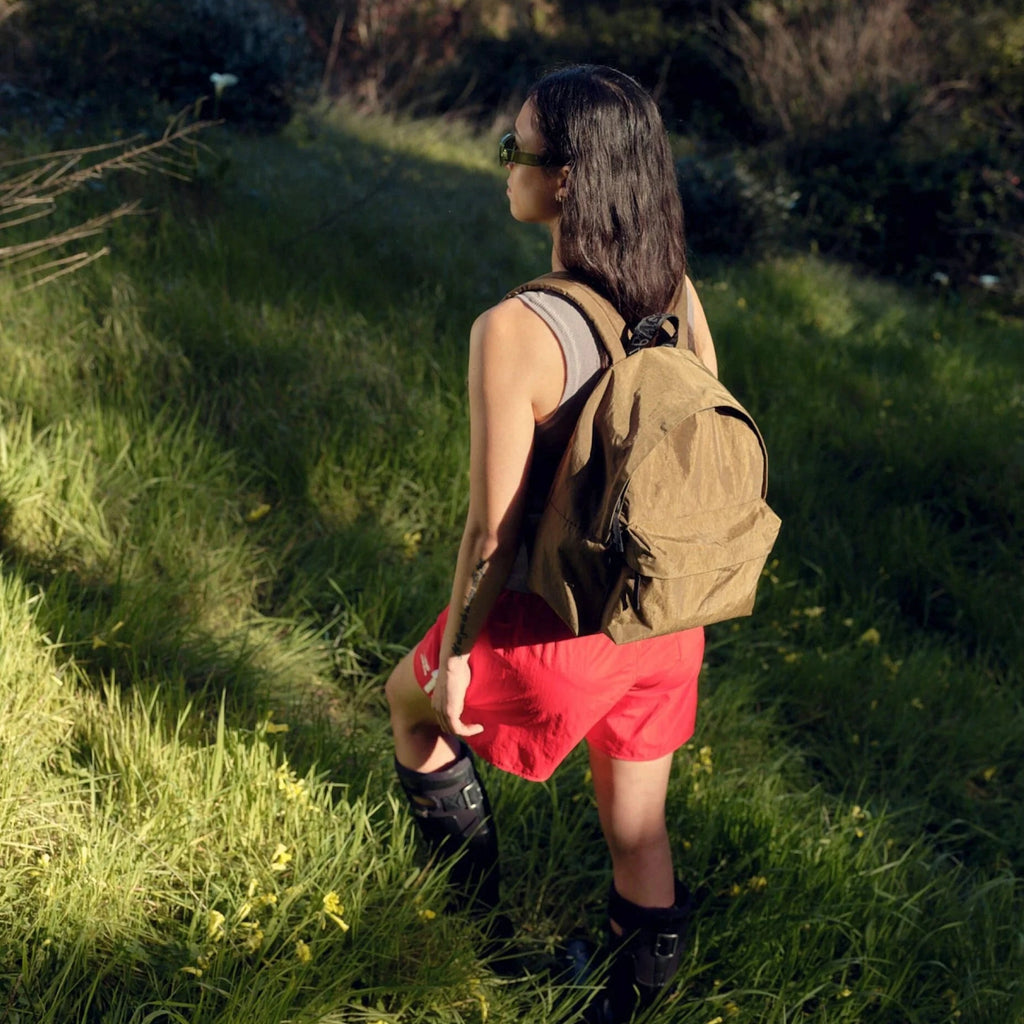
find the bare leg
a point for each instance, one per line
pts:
(646, 913)
(448, 800)
(631, 807)
(419, 742)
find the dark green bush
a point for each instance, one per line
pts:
(900, 125)
(731, 211)
(954, 212)
(121, 58)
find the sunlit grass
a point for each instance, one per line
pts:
(232, 476)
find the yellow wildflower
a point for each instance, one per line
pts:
(989, 774)
(302, 952)
(42, 862)
(256, 514)
(474, 984)
(281, 858)
(704, 762)
(411, 542)
(815, 612)
(333, 909)
(871, 637)
(294, 788)
(215, 926)
(202, 962)
(427, 914)
(758, 883)
(255, 937)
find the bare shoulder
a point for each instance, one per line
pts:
(511, 318)
(519, 333)
(520, 348)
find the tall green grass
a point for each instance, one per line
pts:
(232, 476)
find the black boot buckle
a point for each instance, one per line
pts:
(666, 945)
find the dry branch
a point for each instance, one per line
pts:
(30, 187)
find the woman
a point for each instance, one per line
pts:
(498, 672)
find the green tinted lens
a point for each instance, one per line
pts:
(508, 154)
(507, 149)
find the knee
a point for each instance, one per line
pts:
(635, 839)
(406, 701)
(392, 689)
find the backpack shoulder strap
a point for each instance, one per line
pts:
(683, 308)
(601, 316)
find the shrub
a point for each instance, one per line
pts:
(900, 127)
(381, 52)
(123, 57)
(731, 211)
(813, 66)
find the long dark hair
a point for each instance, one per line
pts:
(621, 228)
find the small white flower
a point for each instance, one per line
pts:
(988, 281)
(222, 81)
(940, 278)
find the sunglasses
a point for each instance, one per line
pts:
(508, 153)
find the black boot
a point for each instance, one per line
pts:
(643, 959)
(453, 813)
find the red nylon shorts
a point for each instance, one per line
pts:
(538, 690)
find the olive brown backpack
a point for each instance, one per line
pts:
(656, 520)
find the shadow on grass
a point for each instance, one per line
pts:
(886, 642)
(318, 296)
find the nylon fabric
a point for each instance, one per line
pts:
(656, 520)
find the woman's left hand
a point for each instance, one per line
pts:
(449, 697)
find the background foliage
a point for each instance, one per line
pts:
(232, 480)
(893, 127)
(232, 459)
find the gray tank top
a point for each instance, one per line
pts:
(583, 363)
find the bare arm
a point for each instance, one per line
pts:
(516, 376)
(704, 346)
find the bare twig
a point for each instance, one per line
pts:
(30, 187)
(65, 265)
(803, 70)
(10, 254)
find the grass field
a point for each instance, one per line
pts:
(232, 477)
